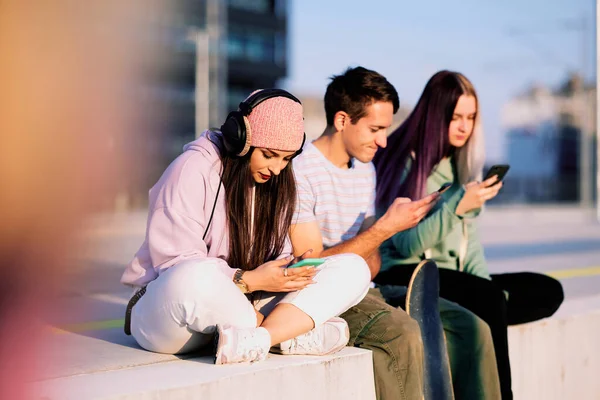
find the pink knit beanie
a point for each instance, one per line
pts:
(277, 124)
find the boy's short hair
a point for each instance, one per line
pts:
(354, 90)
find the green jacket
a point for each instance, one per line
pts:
(443, 236)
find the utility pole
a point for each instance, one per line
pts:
(597, 113)
(202, 99)
(211, 67)
(585, 139)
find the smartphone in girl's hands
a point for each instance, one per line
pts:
(311, 262)
(499, 170)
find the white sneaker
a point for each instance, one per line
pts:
(328, 338)
(236, 345)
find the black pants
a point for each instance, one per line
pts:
(531, 296)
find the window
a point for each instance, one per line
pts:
(235, 95)
(252, 45)
(255, 48)
(281, 8)
(280, 50)
(259, 6)
(260, 47)
(235, 46)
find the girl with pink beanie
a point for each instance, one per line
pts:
(212, 268)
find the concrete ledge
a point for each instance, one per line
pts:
(143, 375)
(557, 358)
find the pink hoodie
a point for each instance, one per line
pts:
(180, 206)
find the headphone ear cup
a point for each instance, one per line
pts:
(247, 138)
(301, 146)
(234, 133)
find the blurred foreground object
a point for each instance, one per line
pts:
(70, 72)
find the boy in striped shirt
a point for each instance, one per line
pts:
(335, 214)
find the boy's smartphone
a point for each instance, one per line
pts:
(314, 262)
(444, 187)
(500, 170)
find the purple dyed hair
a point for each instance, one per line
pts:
(422, 137)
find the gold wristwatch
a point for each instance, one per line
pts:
(239, 282)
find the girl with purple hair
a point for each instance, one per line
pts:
(441, 141)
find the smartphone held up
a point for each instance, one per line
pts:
(499, 170)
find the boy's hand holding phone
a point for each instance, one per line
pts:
(404, 214)
(444, 187)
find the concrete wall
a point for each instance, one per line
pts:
(344, 375)
(557, 358)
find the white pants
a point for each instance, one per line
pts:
(183, 305)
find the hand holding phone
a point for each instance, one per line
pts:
(499, 170)
(477, 193)
(274, 276)
(404, 214)
(444, 187)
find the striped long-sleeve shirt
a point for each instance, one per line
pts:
(338, 199)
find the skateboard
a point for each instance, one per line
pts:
(422, 305)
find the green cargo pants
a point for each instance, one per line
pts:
(395, 340)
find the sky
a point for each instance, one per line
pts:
(503, 47)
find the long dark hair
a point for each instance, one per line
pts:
(274, 202)
(422, 141)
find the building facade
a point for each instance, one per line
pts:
(213, 54)
(220, 52)
(551, 144)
